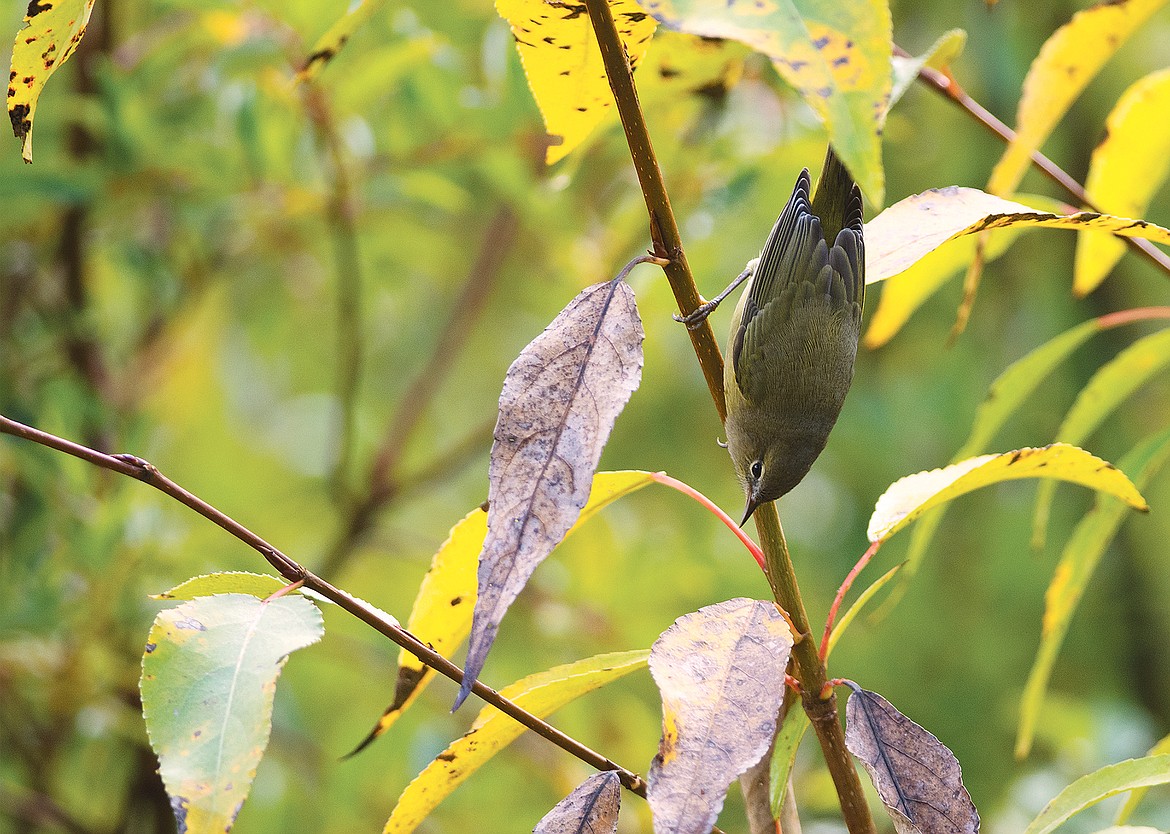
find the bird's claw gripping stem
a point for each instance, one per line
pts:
(694, 319)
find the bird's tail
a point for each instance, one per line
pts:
(835, 202)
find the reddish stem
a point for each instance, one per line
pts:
(687, 489)
(1127, 316)
(841, 592)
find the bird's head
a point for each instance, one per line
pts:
(768, 466)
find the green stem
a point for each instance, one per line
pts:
(663, 228)
(667, 243)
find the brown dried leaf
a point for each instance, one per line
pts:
(918, 779)
(592, 808)
(560, 400)
(721, 674)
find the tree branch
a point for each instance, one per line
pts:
(347, 258)
(141, 470)
(949, 88)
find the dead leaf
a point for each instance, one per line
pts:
(721, 674)
(917, 777)
(560, 400)
(592, 808)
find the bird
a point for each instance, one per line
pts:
(794, 335)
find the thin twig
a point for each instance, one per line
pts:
(781, 576)
(385, 484)
(347, 257)
(946, 86)
(141, 470)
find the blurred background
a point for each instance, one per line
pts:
(299, 302)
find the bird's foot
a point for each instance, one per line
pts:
(694, 319)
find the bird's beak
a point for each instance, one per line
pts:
(752, 503)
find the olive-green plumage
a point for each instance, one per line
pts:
(794, 336)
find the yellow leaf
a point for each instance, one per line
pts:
(563, 63)
(906, 292)
(442, 610)
(49, 36)
(1125, 171)
(919, 224)
(336, 36)
(836, 55)
(1069, 60)
(910, 497)
(539, 694)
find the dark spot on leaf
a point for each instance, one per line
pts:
(320, 56)
(582, 109)
(150, 647)
(549, 40)
(842, 61)
(20, 123)
(196, 734)
(190, 624)
(574, 10)
(28, 79)
(669, 72)
(821, 43)
(1016, 457)
(456, 601)
(446, 757)
(35, 7)
(635, 17)
(30, 40)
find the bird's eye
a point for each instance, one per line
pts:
(757, 469)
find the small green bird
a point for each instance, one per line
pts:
(794, 336)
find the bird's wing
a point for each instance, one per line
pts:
(796, 268)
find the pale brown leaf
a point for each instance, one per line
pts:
(592, 808)
(918, 779)
(560, 400)
(721, 674)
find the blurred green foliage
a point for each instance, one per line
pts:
(173, 283)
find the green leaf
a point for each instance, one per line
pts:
(1104, 783)
(229, 582)
(858, 605)
(330, 43)
(1108, 388)
(784, 755)
(942, 52)
(1009, 391)
(1136, 795)
(208, 679)
(1081, 556)
(837, 55)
